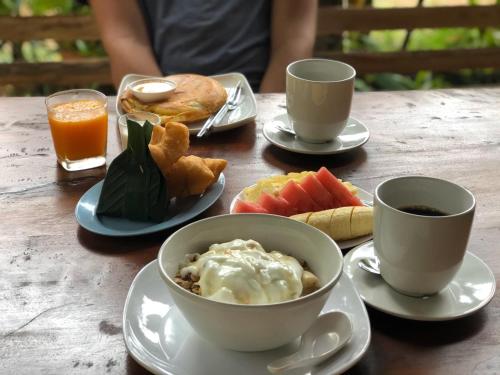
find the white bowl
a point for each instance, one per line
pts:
(252, 327)
(152, 89)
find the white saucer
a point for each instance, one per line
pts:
(366, 198)
(471, 289)
(159, 338)
(353, 136)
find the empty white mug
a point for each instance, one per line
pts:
(420, 253)
(318, 98)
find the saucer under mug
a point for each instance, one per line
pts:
(354, 135)
(470, 290)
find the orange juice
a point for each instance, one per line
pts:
(79, 129)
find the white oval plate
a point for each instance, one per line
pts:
(246, 111)
(179, 212)
(365, 197)
(159, 338)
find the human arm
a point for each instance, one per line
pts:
(293, 32)
(125, 38)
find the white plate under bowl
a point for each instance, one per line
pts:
(365, 197)
(246, 111)
(159, 338)
(354, 135)
(470, 290)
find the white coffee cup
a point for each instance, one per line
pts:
(420, 254)
(318, 98)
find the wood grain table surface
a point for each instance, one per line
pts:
(62, 288)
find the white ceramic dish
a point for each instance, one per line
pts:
(246, 111)
(152, 89)
(354, 135)
(365, 197)
(258, 326)
(159, 338)
(470, 290)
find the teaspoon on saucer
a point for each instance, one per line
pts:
(284, 129)
(287, 130)
(370, 264)
(329, 333)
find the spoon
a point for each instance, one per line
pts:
(329, 333)
(370, 264)
(284, 128)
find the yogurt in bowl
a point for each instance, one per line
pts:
(243, 272)
(254, 326)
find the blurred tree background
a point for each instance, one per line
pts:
(394, 40)
(425, 39)
(47, 50)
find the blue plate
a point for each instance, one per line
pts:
(179, 211)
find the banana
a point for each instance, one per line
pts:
(342, 223)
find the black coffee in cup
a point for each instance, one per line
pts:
(422, 210)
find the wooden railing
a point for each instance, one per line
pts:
(334, 21)
(331, 21)
(81, 71)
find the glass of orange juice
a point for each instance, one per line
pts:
(79, 125)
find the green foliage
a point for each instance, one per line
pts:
(375, 41)
(35, 51)
(46, 50)
(8, 7)
(424, 39)
(89, 48)
(43, 7)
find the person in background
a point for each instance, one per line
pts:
(258, 38)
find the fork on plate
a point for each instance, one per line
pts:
(231, 104)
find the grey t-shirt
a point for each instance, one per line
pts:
(210, 36)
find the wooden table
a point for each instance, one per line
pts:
(62, 289)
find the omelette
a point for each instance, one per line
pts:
(195, 98)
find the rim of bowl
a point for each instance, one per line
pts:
(158, 118)
(131, 85)
(324, 289)
(379, 186)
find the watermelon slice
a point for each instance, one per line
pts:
(341, 195)
(276, 205)
(298, 198)
(248, 207)
(317, 192)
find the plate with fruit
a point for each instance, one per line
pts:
(337, 207)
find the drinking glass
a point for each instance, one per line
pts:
(79, 125)
(139, 117)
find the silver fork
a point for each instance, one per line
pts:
(234, 103)
(230, 105)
